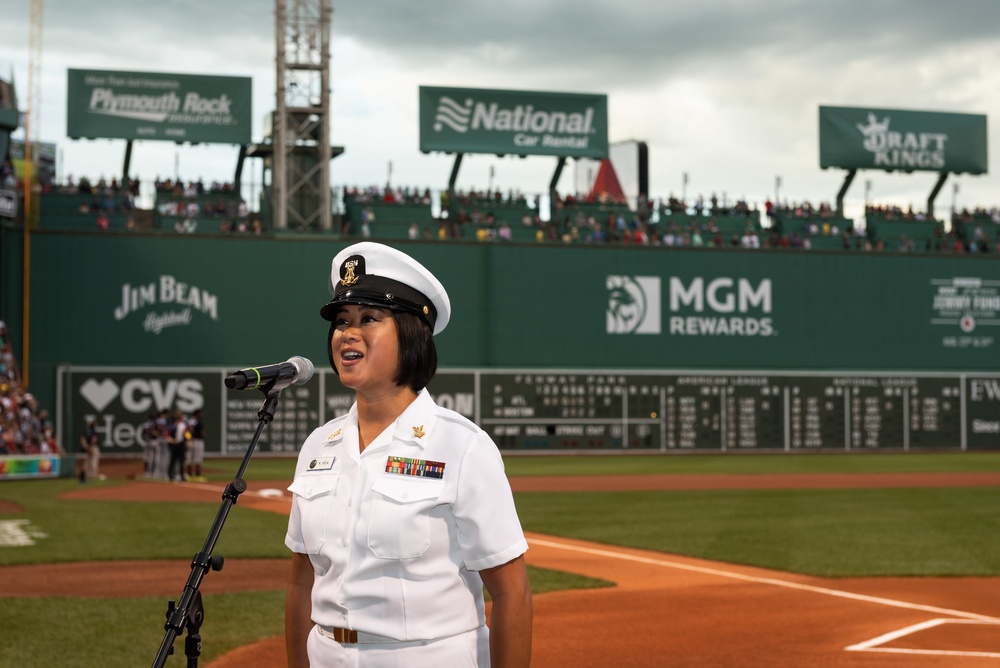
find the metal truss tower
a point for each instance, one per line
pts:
(300, 179)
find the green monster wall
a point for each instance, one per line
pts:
(549, 347)
(129, 300)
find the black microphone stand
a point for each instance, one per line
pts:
(189, 613)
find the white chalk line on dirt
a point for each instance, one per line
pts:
(874, 645)
(762, 580)
(867, 646)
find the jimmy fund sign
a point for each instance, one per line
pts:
(891, 139)
(173, 107)
(471, 120)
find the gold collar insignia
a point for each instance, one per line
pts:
(418, 432)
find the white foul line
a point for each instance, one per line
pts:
(873, 644)
(771, 581)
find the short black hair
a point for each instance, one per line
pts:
(417, 352)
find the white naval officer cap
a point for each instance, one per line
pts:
(374, 274)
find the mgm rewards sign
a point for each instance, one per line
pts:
(474, 120)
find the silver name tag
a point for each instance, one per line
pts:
(322, 464)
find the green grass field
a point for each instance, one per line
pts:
(910, 532)
(270, 468)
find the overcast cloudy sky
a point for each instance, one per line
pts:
(726, 91)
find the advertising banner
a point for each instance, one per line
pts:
(14, 467)
(894, 139)
(144, 105)
(474, 120)
(121, 399)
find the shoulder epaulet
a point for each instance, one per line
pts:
(449, 415)
(330, 424)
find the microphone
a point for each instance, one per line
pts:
(296, 371)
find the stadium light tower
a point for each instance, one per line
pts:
(300, 182)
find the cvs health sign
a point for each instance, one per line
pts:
(121, 399)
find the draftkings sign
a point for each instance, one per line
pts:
(172, 107)
(893, 139)
(473, 120)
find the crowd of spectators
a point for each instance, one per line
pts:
(177, 188)
(488, 215)
(417, 196)
(25, 428)
(106, 199)
(892, 212)
(676, 222)
(981, 214)
(969, 232)
(388, 195)
(102, 188)
(713, 206)
(184, 203)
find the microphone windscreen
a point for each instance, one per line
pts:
(304, 368)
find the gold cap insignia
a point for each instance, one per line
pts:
(426, 310)
(350, 278)
(418, 432)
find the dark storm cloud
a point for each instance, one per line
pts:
(650, 35)
(627, 39)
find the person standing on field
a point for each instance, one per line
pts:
(150, 437)
(177, 439)
(196, 446)
(90, 442)
(401, 511)
(163, 426)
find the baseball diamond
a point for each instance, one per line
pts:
(663, 610)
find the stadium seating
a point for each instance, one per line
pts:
(390, 220)
(78, 211)
(925, 235)
(212, 208)
(478, 217)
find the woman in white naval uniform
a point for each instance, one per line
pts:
(401, 511)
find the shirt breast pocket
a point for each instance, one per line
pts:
(399, 526)
(316, 493)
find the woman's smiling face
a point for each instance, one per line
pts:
(365, 348)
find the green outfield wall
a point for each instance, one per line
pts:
(149, 301)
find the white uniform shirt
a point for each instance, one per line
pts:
(396, 552)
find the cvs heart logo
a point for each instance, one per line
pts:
(99, 394)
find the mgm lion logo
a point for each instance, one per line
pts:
(633, 305)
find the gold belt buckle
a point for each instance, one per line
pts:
(348, 636)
